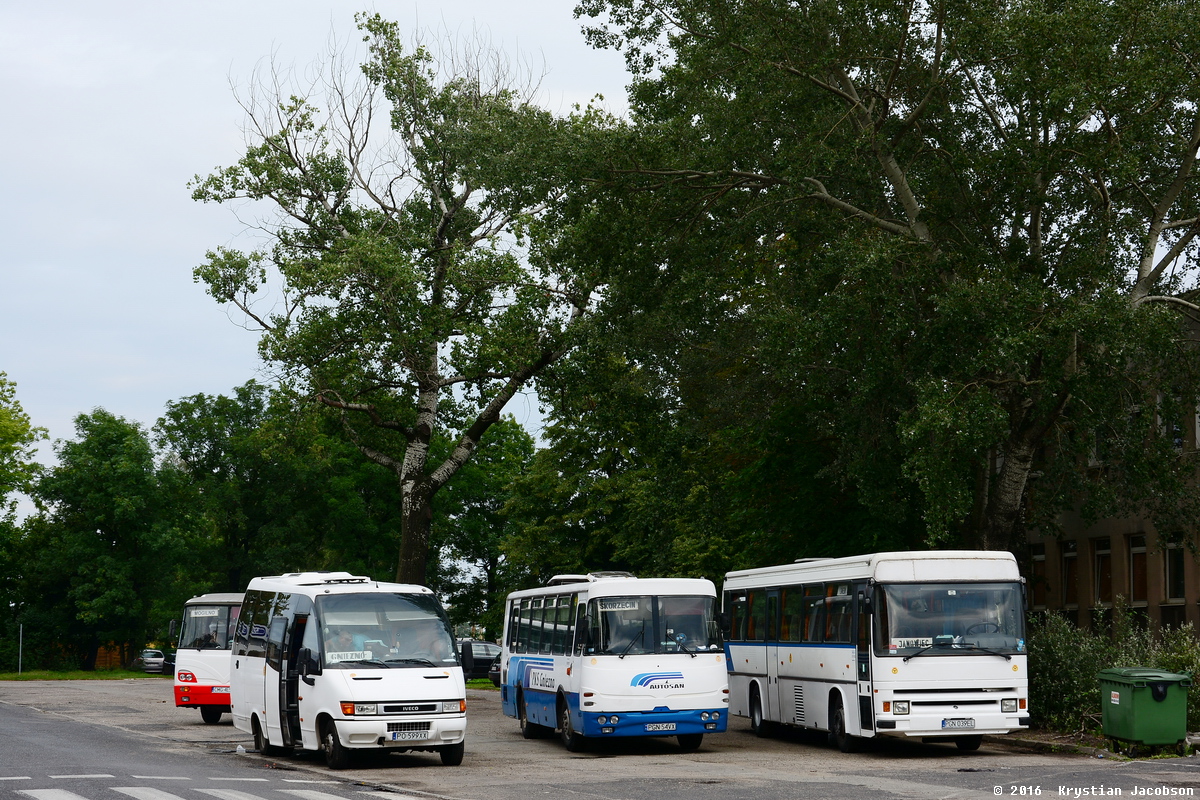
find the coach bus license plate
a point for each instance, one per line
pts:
(659, 726)
(958, 723)
(408, 736)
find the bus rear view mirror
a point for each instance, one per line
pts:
(467, 657)
(309, 666)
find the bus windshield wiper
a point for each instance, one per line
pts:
(633, 641)
(1006, 656)
(685, 648)
(373, 661)
(411, 661)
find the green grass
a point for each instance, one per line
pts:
(482, 683)
(79, 675)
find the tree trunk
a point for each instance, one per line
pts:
(1006, 498)
(417, 522)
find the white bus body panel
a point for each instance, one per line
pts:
(255, 687)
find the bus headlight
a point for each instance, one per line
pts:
(454, 706)
(602, 720)
(361, 709)
(900, 707)
(1009, 706)
(704, 716)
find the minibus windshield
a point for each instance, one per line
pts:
(633, 625)
(384, 630)
(949, 619)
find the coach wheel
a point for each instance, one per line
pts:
(837, 731)
(757, 724)
(969, 742)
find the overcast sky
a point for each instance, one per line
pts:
(109, 110)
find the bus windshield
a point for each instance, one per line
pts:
(949, 619)
(208, 627)
(648, 624)
(384, 630)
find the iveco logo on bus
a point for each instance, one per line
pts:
(648, 678)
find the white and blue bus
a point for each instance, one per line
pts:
(927, 645)
(608, 655)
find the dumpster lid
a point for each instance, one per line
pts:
(1143, 675)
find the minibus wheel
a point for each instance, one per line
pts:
(336, 755)
(690, 742)
(452, 754)
(261, 744)
(969, 742)
(210, 714)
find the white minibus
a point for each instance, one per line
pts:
(608, 655)
(927, 645)
(202, 654)
(341, 663)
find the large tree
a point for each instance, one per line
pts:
(986, 215)
(425, 282)
(17, 439)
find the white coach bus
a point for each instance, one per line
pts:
(928, 645)
(608, 655)
(202, 654)
(333, 662)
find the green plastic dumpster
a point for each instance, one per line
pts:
(1144, 707)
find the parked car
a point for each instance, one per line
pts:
(484, 654)
(494, 672)
(150, 661)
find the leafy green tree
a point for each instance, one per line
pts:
(17, 439)
(106, 547)
(423, 264)
(984, 217)
(471, 528)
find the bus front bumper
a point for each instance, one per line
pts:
(655, 723)
(402, 732)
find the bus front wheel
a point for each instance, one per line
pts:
(969, 743)
(837, 731)
(452, 754)
(690, 742)
(210, 714)
(336, 754)
(572, 739)
(261, 743)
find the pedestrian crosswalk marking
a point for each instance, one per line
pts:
(50, 794)
(146, 793)
(310, 794)
(229, 794)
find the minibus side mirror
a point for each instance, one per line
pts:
(864, 602)
(309, 666)
(726, 624)
(467, 657)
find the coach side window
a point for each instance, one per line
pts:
(814, 613)
(523, 628)
(756, 620)
(792, 618)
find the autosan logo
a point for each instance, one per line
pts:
(648, 678)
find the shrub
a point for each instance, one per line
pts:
(1064, 660)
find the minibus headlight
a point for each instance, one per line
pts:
(350, 709)
(602, 720)
(1009, 706)
(454, 706)
(900, 707)
(614, 719)
(704, 716)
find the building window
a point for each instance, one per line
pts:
(1102, 571)
(1173, 562)
(1037, 574)
(1070, 574)
(1138, 595)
